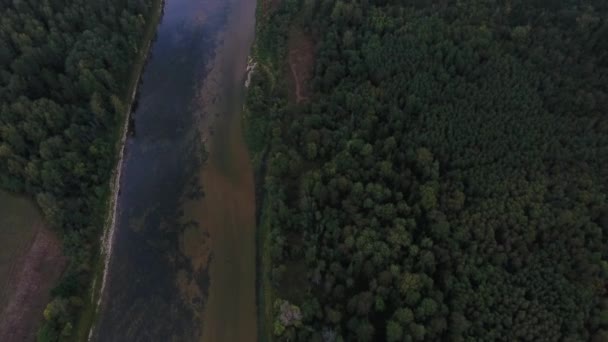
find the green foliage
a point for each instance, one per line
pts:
(64, 66)
(394, 331)
(451, 178)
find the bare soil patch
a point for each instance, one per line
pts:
(301, 63)
(28, 286)
(269, 7)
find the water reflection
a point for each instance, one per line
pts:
(154, 291)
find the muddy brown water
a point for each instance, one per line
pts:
(183, 262)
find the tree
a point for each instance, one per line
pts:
(394, 331)
(447, 198)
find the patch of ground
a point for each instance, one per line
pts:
(30, 263)
(301, 63)
(18, 220)
(269, 7)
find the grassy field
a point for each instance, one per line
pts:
(30, 263)
(19, 220)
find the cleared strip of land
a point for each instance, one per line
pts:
(30, 263)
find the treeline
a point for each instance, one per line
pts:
(64, 74)
(448, 178)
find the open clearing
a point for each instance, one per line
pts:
(30, 264)
(301, 62)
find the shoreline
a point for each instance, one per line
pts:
(262, 258)
(107, 238)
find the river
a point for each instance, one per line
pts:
(183, 256)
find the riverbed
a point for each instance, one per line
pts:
(183, 256)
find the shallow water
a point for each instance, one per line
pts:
(183, 263)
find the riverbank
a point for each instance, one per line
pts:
(182, 265)
(278, 90)
(257, 154)
(261, 82)
(87, 319)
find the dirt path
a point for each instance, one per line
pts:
(31, 280)
(297, 81)
(301, 59)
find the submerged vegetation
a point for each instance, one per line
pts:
(446, 178)
(65, 71)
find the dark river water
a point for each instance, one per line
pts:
(183, 262)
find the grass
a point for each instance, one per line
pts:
(265, 290)
(257, 145)
(89, 313)
(270, 53)
(19, 219)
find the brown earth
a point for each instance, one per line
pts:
(269, 7)
(29, 283)
(301, 63)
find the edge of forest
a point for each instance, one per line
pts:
(86, 321)
(266, 55)
(263, 261)
(257, 157)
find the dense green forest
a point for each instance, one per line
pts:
(447, 178)
(64, 72)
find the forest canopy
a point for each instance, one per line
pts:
(64, 74)
(447, 178)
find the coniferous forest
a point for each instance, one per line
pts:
(446, 178)
(65, 68)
